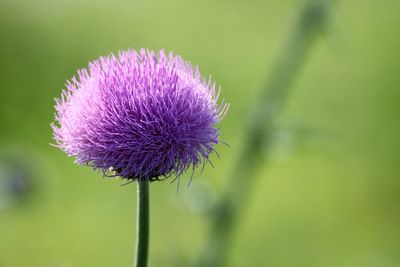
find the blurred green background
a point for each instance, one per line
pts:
(329, 195)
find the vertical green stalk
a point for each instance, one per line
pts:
(261, 123)
(142, 225)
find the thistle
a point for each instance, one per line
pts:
(140, 116)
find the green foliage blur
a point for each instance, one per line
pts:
(328, 193)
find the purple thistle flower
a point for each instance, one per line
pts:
(139, 115)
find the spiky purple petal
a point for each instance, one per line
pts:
(140, 115)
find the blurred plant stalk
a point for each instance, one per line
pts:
(257, 136)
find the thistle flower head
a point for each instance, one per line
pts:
(139, 115)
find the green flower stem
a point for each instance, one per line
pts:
(142, 226)
(258, 132)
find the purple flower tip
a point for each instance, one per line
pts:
(139, 115)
